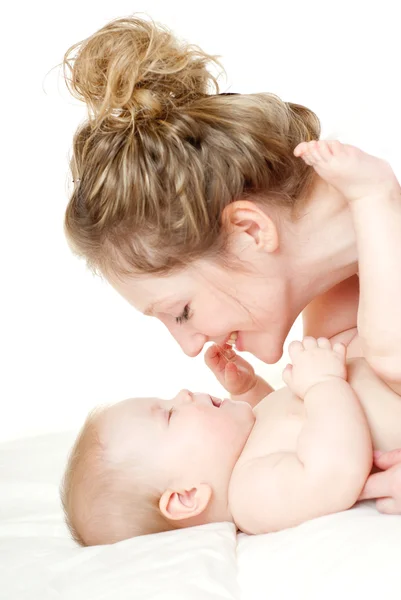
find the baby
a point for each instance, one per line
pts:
(264, 460)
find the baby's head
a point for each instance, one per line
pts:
(147, 465)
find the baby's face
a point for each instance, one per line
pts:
(190, 439)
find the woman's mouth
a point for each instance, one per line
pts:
(232, 339)
(235, 340)
(239, 342)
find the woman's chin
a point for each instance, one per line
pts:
(267, 353)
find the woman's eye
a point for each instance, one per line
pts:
(184, 316)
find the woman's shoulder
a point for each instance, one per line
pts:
(334, 313)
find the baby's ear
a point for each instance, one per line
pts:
(177, 505)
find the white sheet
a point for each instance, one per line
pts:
(356, 554)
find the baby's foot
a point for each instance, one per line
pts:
(351, 171)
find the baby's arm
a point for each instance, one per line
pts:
(236, 375)
(334, 452)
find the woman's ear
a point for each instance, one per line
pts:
(177, 505)
(244, 216)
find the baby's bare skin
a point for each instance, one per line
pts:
(307, 455)
(280, 418)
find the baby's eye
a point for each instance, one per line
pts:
(184, 316)
(170, 412)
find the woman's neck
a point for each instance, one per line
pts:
(320, 244)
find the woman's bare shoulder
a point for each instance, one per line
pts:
(334, 314)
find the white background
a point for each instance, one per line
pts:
(68, 342)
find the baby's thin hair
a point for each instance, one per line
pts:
(105, 502)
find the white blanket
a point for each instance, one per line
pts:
(351, 555)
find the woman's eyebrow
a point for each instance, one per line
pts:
(150, 309)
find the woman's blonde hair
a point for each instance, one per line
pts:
(162, 153)
(106, 502)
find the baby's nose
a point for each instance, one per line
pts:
(184, 396)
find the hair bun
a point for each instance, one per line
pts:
(133, 69)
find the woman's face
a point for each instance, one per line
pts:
(208, 302)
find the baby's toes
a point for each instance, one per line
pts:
(309, 152)
(301, 149)
(323, 150)
(314, 153)
(336, 149)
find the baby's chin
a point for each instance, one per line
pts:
(243, 419)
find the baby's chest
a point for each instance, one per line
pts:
(279, 420)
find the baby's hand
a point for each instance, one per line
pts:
(313, 361)
(232, 371)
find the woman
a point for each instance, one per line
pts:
(194, 207)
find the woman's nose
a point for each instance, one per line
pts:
(191, 342)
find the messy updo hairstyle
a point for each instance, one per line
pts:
(162, 153)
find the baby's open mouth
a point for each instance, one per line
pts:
(216, 402)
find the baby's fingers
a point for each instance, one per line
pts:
(232, 378)
(215, 359)
(340, 349)
(385, 460)
(388, 506)
(287, 375)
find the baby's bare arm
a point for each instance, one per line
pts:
(325, 475)
(333, 457)
(335, 420)
(256, 393)
(335, 435)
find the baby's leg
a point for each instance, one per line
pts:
(374, 196)
(354, 173)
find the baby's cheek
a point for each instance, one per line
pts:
(222, 430)
(206, 427)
